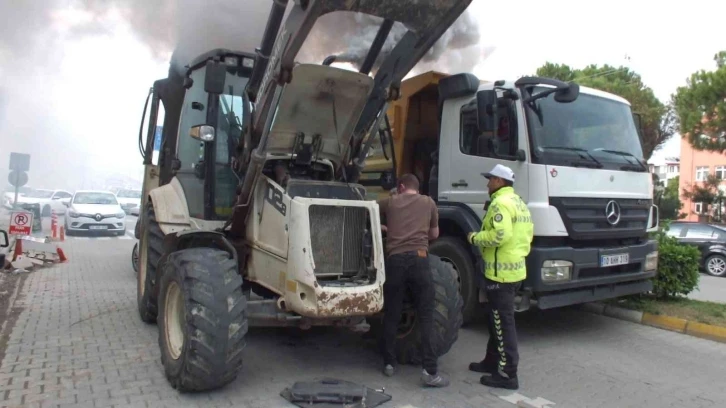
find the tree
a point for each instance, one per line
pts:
(668, 201)
(658, 120)
(707, 193)
(701, 107)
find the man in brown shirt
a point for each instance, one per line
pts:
(411, 220)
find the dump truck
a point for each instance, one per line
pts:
(578, 162)
(250, 216)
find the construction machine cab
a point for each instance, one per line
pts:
(211, 121)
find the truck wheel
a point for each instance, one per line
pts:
(447, 317)
(46, 211)
(150, 250)
(456, 252)
(202, 322)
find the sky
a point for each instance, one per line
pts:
(73, 80)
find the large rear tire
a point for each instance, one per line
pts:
(150, 250)
(448, 305)
(457, 253)
(202, 322)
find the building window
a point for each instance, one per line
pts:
(701, 173)
(721, 172)
(698, 208)
(672, 168)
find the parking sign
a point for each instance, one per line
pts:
(21, 223)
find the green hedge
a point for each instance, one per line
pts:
(677, 267)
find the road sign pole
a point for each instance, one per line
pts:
(17, 183)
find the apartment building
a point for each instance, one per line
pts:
(695, 166)
(665, 169)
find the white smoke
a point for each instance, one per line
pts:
(37, 37)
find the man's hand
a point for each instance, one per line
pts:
(384, 228)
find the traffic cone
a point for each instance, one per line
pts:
(53, 225)
(61, 255)
(62, 233)
(18, 249)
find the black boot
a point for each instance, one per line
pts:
(483, 367)
(500, 380)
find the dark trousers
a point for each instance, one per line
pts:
(408, 271)
(502, 345)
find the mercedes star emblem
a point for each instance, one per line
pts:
(98, 217)
(612, 212)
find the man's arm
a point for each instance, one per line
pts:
(382, 209)
(434, 224)
(500, 232)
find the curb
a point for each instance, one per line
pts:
(689, 327)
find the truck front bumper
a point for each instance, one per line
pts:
(588, 280)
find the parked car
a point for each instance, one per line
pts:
(128, 199)
(91, 210)
(710, 239)
(48, 200)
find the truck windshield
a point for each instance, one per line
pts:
(592, 127)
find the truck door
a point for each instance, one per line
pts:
(471, 153)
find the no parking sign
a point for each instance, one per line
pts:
(21, 223)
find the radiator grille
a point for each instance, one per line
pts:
(585, 218)
(337, 239)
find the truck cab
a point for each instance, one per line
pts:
(577, 157)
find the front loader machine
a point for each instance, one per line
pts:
(250, 217)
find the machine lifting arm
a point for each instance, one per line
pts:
(426, 21)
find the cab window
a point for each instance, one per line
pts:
(503, 145)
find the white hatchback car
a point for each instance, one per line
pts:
(95, 211)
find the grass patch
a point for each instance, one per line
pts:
(695, 310)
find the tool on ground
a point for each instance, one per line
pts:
(333, 393)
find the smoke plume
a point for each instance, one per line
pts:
(73, 123)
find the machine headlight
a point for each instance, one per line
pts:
(556, 271)
(73, 214)
(651, 261)
(205, 133)
(120, 215)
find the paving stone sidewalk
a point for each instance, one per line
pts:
(78, 342)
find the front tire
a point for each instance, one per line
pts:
(716, 265)
(135, 258)
(150, 251)
(202, 322)
(455, 251)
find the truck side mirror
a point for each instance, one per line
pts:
(486, 110)
(214, 77)
(569, 94)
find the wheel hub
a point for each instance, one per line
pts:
(717, 266)
(173, 320)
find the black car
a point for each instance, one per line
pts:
(710, 240)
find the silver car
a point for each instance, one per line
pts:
(91, 210)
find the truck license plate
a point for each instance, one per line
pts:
(97, 227)
(614, 260)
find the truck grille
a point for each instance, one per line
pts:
(585, 218)
(337, 239)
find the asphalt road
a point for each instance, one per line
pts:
(76, 340)
(710, 288)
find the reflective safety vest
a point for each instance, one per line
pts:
(505, 237)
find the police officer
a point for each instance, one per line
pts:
(504, 241)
